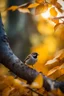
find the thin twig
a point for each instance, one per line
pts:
(34, 91)
(58, 17)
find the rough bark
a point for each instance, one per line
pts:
(8, 59)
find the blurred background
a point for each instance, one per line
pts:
(30, 33)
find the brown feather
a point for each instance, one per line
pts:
(27, 58)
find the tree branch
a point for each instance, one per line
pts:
(8, 59)
(60, 17)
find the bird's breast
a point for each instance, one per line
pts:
(31, 61)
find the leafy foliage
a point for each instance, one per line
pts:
(57, 65)
(41, 6)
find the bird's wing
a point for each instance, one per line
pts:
(27, 58)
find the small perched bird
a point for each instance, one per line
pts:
(31, 59)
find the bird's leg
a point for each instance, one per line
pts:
(33, 66)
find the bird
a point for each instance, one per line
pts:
(31, 59)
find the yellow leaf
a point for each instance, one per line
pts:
(38, 82)
(53, 61)
(24, 10)
(59, 54)
(53, 11)
(49, 5)
(33, 5)
(13, 8)
(19, 83)
(52, 71)
(59, 30)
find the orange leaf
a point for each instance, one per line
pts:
(40, 1)
(60, 93)
(53, 1)
(7, 91)
(53, 11)
(57, 26)
(38, 82)
(41, 8)
(59, 54)
(33, 5)
(52, 71)
(59, 30)
(55, 20)
(13, 8)
(58, 5)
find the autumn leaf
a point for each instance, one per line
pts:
(53, 61)
(53, 1)
(59, 54)
(41, 8)
(17, 82)
(62, 66)
(33, 5)
(56, 70)
(13, 8)
(59, 30)
(7, 91)
(59, 27)
(49, 5)
(40, 1)
(55, 20)
(53, 11)
(38, 82)
(24, 10)
(58, 5)
(52, 71)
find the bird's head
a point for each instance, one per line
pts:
(35, 54)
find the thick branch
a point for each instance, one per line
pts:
(8, 59)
